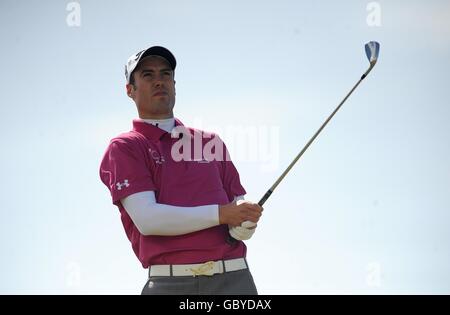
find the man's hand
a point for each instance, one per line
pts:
(237, 212)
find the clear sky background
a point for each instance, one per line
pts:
(367, 208)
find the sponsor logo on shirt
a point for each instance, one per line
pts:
(120, 185)
(158, 158)
(202, 160)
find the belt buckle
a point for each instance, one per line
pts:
(206, 269)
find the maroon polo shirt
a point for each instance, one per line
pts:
(144, 159)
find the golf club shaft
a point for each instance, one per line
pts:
(266, 196)
(271, 189)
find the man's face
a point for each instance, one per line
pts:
(154, 88)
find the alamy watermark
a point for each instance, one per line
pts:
(260, 144)
(373, 277)
(73, 274)
(73, 19)
(374, 17)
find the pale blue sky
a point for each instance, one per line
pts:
(366, 210)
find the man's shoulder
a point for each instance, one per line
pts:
(129, 138)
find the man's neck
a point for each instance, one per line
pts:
(166, 124)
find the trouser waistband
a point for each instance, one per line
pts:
(208, 268)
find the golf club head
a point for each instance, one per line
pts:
(372, 51)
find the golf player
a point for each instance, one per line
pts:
(178, 193)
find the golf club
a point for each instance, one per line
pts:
(372, 51)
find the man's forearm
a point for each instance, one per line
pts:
(152, 218)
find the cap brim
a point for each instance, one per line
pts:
(162, 52)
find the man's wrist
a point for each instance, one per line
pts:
(222, 214)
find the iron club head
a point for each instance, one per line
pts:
(372, 51)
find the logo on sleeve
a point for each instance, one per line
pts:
(120, 185)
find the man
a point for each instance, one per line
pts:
(178, 193)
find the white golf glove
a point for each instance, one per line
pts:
(246, 230)
(243, 232)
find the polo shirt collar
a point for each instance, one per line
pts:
(149, 131)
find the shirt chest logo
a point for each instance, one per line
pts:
(158, 158)
(202, 160)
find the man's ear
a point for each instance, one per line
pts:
(130, 90)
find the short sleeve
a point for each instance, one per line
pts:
(124, 170)
(230, 177)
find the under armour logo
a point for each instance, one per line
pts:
(120, 185)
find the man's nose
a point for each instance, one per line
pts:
(158, 83)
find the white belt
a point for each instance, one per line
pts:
(208, 268)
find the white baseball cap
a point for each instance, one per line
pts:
(152, 51)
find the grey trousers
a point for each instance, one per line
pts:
(229, 283)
